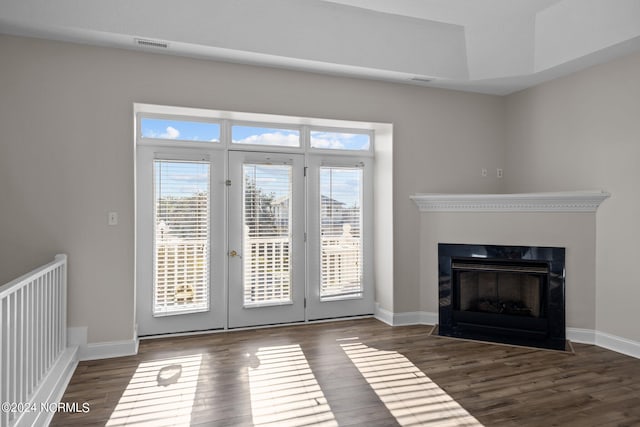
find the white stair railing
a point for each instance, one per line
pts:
(35, 362)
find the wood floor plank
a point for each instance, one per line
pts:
(353, 373)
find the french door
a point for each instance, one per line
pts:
(229, 239)
(340, 237)
(180, 251)
(266, 251)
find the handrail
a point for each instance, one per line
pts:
(8, 287)
(33, 341)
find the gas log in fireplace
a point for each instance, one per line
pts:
(506, 294)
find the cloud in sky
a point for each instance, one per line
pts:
(274, 138)
(339, 140)
(326, 141)
(170, 133)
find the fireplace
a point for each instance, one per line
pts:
(505, 294)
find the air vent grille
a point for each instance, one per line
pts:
(421, 79)
(151, 43)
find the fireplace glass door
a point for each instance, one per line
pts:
(503, 289)
(503, 295)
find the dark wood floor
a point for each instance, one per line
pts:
(359, 372)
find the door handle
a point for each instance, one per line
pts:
(234, 254)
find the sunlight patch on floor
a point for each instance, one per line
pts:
(160, 393)
(411, 397)
(284, 391)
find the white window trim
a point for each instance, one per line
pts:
(318, 305)
(175, 142)
(227, 119)
(381, 147)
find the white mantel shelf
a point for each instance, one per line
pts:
(567, 201)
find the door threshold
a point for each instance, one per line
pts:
(249, 328)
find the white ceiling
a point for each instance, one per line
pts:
(489, 46)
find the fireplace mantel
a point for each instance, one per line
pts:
(566, 201)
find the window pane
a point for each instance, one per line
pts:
(340, 141)
(265, 136)
(267, 234)
(181, 253)
(180, 130)
(340, 232)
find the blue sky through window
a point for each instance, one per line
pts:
(265, 136)
(180, 130)
(340, 140)
(180, 179)
(342, 184)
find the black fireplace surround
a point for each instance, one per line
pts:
(506, 294)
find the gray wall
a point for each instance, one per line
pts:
(66, 155)
(582, 132)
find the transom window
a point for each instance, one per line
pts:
(340, 140)
(226, 133)
(179, 130)
(252, 135)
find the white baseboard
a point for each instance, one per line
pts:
(605, 340)
(383, 315)
(106, 350)
(582, 336)
(415, 318)
(406, 318)
(51, 389)
(578, 335)
(619, 344)
(77, 336)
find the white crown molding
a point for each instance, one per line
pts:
(567, 201)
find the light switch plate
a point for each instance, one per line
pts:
(113, 218)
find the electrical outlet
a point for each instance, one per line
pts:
(484, 172)
(112, 218)
(499, 173)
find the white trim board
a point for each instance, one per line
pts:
(77, 336)
(618, 344)
(383, 315)
(577, 335)
(106, 350)
(51, 389)
(566, 201)
(406, 318)
(611, 342)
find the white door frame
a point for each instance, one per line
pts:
(215, 317)
(219, 150)
(241, 314)
(318, 308)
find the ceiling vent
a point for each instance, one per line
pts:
(151, 43)
(421, 79)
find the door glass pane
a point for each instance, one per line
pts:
(266, 234)
(181, 250)
(340, 232)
